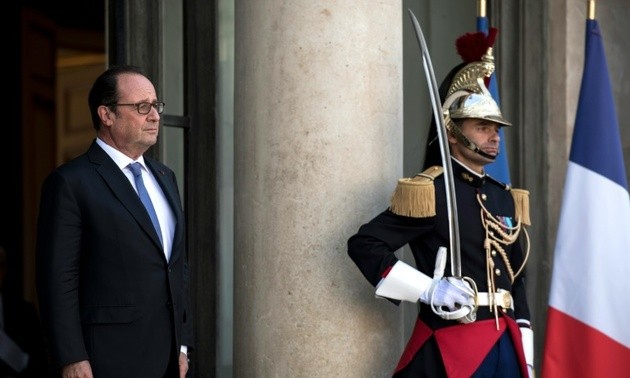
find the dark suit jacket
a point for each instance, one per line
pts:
(105, 289)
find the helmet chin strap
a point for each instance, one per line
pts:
(470, 145)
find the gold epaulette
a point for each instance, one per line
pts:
(521, 205)
(415, 197)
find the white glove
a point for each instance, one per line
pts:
(450, 292)
(404, 282)
(527, 336)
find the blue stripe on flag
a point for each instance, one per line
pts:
(596, 141)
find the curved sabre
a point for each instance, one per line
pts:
(455, 253)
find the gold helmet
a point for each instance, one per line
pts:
(467, 95)
(475, 105)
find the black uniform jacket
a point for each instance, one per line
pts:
(372, 247)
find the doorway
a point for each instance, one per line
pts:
(58, 58)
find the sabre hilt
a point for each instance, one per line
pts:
(466, 313)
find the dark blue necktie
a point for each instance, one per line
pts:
(136, 169)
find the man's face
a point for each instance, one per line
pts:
(484, 134)
(131, 132)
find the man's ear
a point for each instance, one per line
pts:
(451, 138)
(106, 115)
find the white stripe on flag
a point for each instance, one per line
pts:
(591, 275)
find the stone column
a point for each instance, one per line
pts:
(318, 151)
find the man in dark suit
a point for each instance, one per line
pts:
(112, 271)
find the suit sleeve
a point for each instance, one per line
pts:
(187, 325)
(57, 270)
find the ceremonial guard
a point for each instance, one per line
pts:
(473, 321)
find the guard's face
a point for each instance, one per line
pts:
(484, 134)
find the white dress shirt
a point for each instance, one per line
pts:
(165, 215)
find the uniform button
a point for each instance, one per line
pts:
(493, 253)
(497, 272)
(484, 196)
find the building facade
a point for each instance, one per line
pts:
(289, 123)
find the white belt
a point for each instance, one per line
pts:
(502, 298)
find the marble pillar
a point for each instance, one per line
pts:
(318, 150)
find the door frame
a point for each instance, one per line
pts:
(134, 30)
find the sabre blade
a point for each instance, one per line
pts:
(455, 254)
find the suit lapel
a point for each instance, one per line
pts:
(122, 190)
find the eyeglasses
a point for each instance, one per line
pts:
(145, 107)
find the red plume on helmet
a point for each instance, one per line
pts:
(472, 46)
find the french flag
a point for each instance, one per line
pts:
(588, 320)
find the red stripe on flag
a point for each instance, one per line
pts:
(574, 349)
